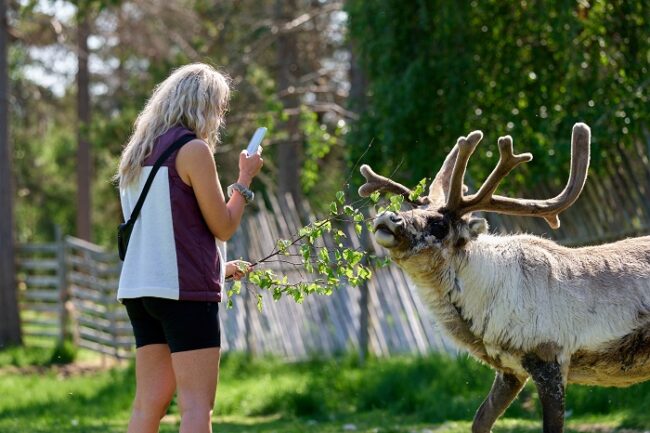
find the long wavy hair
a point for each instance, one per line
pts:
(194, 96)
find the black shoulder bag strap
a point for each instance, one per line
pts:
(124, 230)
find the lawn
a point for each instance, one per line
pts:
(403, 394)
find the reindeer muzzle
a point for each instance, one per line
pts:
(386, 226)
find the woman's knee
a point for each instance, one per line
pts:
(153, 404)
(199, 404)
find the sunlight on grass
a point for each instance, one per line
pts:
(433, 394)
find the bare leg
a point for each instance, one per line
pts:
(196, 372)
(504, 389)
(550, 387)
(155, 385)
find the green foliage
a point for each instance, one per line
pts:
(42, 401)
(384, 395)
(435, 388)
(320, 146)
(322, 250)
(24, 356)
(437, 71)
(45, 194)
(64, 352)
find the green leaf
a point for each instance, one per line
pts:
(305, 251)
(255, 277)
(396, 203)
(374, 197)
(235, 289)
(419, 190)
(324, 256)
(282, 245)
(340, 196)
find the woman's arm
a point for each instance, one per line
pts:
(196, 167)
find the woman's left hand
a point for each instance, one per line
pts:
(237, 269)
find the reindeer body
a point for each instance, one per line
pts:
(525, 305)
(501, 297)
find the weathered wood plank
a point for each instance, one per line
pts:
(46, 323)
(39, 307)
(36, 248)
(37, 264)
(41, 281)
(33, 295)
(104, 338)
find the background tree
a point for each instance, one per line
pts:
(289, 150)
(10, 323)
(422, 74)
(84, 160)
(529, 69)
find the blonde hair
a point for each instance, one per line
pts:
(194, 96)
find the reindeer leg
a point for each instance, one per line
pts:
(547, 376)
(504, 389)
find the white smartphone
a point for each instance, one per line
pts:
(256, 141)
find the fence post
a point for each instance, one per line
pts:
(248, 300)
(64, 290)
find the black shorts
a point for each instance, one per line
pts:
(183, 325)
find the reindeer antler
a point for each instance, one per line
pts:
(485, 200)
(375, 182)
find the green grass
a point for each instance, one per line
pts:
(403, 394)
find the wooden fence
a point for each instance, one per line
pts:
(384, 317)
(71, 280)
(69, 286)
(67, 290)
(41, 274)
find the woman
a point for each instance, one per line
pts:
(174, 271)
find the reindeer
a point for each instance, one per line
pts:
(522, 304)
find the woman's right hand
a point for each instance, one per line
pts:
(249, 167)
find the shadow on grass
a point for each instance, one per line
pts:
(84, 403)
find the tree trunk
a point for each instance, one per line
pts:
(84, 162)
(9, 317)
(289, 151)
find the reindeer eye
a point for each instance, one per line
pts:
(438, 228)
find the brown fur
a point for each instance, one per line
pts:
(623, 363)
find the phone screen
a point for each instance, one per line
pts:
(255, 142)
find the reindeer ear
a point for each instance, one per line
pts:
(440, 186)
(465, 233)
(477, 226)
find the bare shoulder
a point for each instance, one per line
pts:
(193, 158)
(195, 149)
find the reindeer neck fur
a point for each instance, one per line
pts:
(503, 296)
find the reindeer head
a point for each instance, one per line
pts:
(442, 220)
